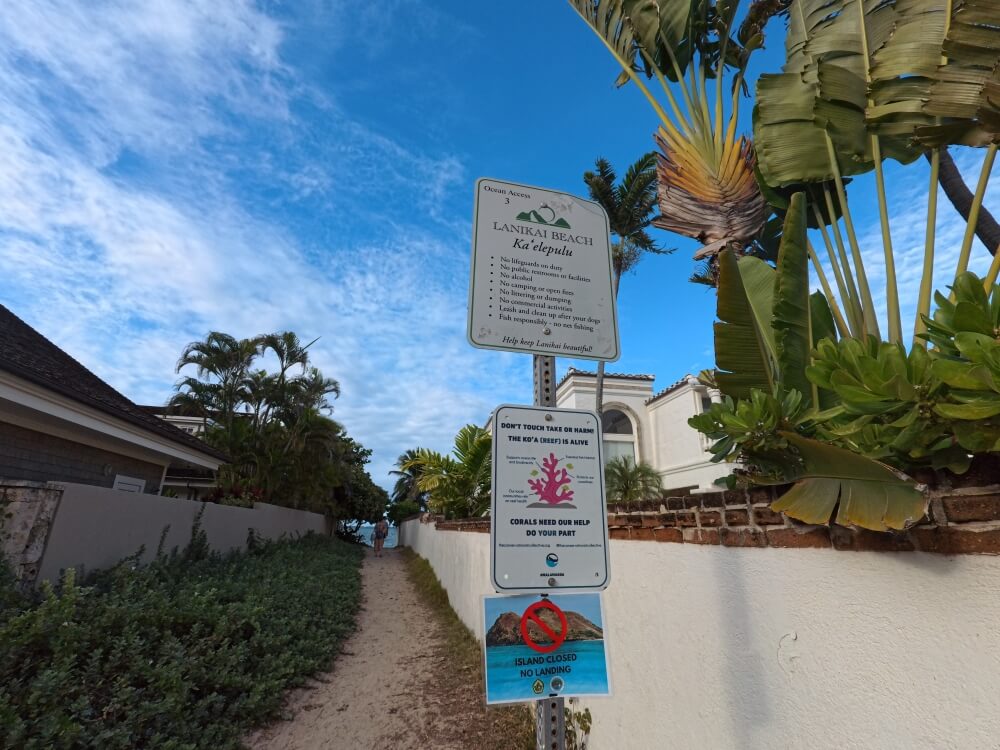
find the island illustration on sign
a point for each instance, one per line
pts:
(537, 218)
(506, 630)
(553, 487)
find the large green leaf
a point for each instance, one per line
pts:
(758, 281)
(854, 69)
(741, 353)
(607, 19)
(966, 89)
(821, 319)
(791, 301)
(650, 26)
(822, 328)
(870, 494)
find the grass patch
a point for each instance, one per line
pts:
(498, 727)
(188, 652)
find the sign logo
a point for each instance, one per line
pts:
(552, 559)
(536, 631)
(553, 488)
(538, 217)
(537, 687)
(556, 684)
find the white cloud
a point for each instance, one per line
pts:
(123, 265)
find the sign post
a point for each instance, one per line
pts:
(541, 283)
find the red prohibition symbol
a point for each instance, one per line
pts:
(531, 616)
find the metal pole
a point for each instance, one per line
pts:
(550, 721)
(545, 380)
(550, 724)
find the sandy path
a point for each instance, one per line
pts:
(381, 692)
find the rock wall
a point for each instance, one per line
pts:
(27, 511)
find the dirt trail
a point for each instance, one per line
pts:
(385, 690)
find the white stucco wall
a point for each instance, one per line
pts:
(626, 394)
(95, 527)
(678, 451)
(716, 648)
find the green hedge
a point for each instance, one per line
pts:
(188, 652)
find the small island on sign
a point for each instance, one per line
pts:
(506, 631)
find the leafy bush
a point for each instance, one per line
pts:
(399, 512)
(184, 653)
(883, 413)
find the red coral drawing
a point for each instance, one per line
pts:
(552, 489)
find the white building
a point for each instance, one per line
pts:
(186, 482)
(649, 426)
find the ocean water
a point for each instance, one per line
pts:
(587, 675)
(367, 530)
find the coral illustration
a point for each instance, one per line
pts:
(552, 489)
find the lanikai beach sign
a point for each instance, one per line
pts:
(541, 274)
(549, 527)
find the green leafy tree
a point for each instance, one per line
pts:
(276, 426)
(627, 482)
(407, 487)
(631, 209)
(457, 485)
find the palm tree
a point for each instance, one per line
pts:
(222, 364)
(631, 208)
(457, 484)
(407, 475)
(628, 482)
(288, 349)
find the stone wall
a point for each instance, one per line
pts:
(960, 521)
(27, 510)
(34, 456)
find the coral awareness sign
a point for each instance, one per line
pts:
(549, 529)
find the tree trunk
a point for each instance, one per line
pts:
(599, 396)
(961, 198)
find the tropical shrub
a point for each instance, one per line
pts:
(627, 482)
(456, 485)
(815, 394)
(284, 447)
(398, 512)
(188, 652)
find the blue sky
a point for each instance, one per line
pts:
(175, 167)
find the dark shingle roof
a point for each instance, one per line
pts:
(587, 374)
(27, 354)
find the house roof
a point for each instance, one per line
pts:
(670, 389)
(571, 372)
(27, 354)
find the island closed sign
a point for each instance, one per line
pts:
(541, 274)
(549, 527)
(536, 648)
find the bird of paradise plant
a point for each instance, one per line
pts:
(705, 170)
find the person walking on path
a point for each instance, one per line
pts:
(380, 533)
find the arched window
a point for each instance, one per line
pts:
(619, 435)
